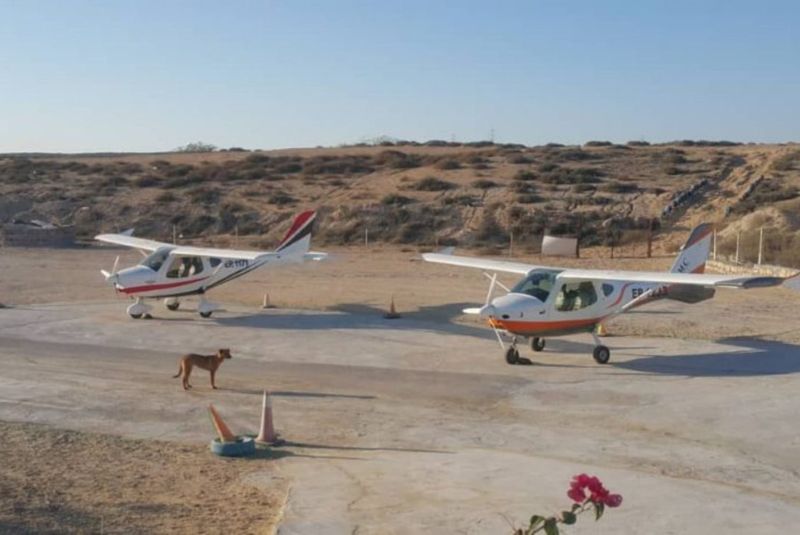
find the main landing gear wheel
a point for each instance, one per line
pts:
(512, 355)
(537, 344)
(601, 354)
(174, 306)
(206, 314)
(136, 316)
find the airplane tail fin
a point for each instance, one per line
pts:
(694, 253)
(297, 240)
(692, 259)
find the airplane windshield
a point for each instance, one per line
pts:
(538, 284)
(156, 260)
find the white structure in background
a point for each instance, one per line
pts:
(555, 246)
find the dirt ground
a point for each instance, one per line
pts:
(412, 426)
(57, 481)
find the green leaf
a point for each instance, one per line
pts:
(568, 518)
(536, 520)
(576, 506)
(599, 507)
(550, 526)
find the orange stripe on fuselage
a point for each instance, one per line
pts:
(523, 327)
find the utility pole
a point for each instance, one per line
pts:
(715, 244)
(760, 244)
(738, 235)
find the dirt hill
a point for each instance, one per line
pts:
(424, 194)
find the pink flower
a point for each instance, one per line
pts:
(576, 494)
(597, 492)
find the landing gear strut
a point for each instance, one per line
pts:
(601, 353)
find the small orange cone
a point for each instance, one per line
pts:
(601, 330)
(267, 434)
(223, 431)
(392, 314)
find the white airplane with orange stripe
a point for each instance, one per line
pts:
(170, 271)
(552, 301)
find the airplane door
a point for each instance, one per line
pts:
(578, 299)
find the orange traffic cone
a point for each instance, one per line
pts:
(223, 431)
(601, 330)
(392, 314)
(267, 434)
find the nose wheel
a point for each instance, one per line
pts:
(537, 344)
(139, 309)
(512, 355)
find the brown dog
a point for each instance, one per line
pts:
(206, 362)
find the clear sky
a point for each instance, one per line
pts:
(145, 75)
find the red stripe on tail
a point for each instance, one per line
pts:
(298, 223)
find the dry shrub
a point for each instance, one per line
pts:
(447, 165)
(433, 184)
(484, 183)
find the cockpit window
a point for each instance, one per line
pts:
(156, 260)
(575, 296)
(185, 266)
(538, 284)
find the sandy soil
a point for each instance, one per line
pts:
(56, 481)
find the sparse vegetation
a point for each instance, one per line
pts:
(558, 186)
(525, 176)
(433, 184)
(447, 165)
(394, 199)
(484, 183)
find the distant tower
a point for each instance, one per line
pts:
(491, 135)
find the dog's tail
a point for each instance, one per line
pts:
(180, 369)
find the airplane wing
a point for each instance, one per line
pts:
(480, 263)
(182, 250)
(186, 250)
(659, 277)
(130, 241)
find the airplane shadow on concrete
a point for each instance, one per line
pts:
(293, 393)
(754, 357)
(358, 316)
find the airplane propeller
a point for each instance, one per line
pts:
(111, 277)
(487, 310)
(489, 294)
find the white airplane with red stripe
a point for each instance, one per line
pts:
(551, 301)
(171, 271)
